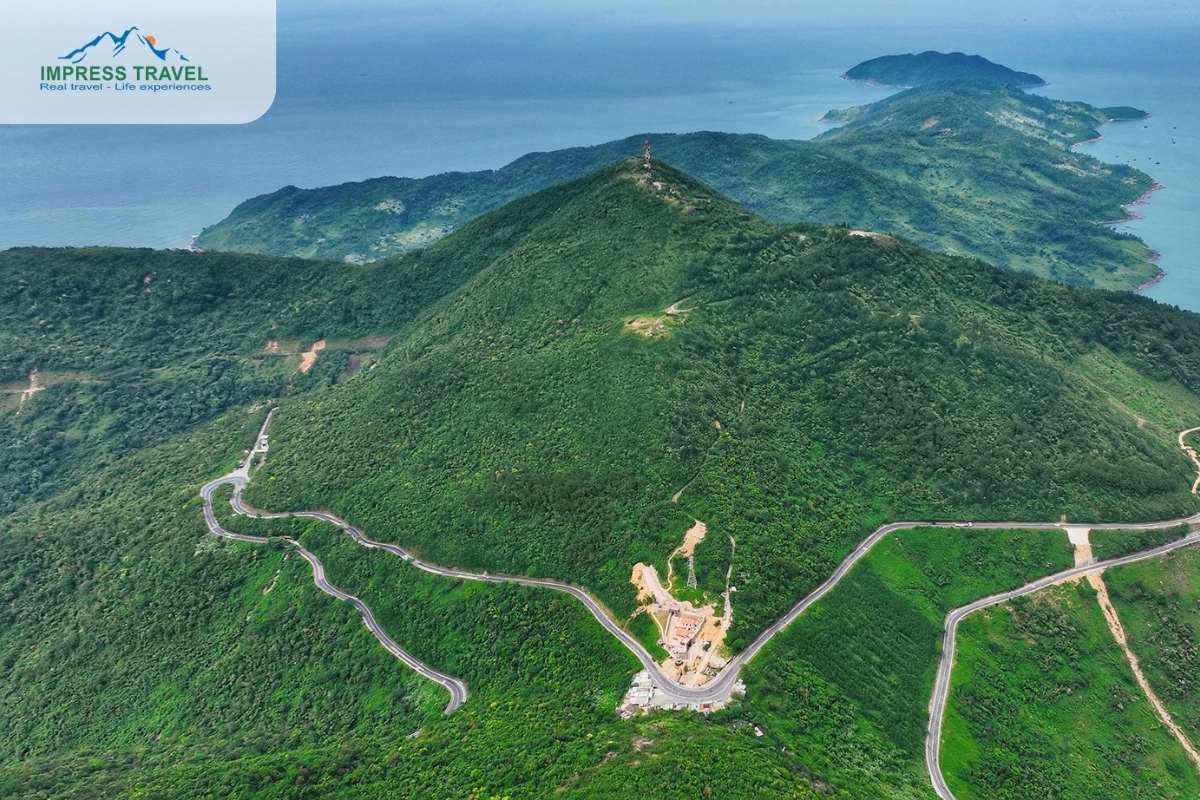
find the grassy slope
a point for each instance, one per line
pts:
(1157, 602)
(1043, 704)
(1110, 544)
(876, 638)
(1000, 185)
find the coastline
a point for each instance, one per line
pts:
(1162, 273)
(1106, 122)
(873, 82)
(1131, 215)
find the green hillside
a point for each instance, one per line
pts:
(539, 419)
(878, 634)
(1157, 601)
(910, 70)
(1044, 704)
(968, 169)
(534, 410)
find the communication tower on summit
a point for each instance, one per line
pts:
(646, 160)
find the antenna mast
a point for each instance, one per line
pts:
(646, 160)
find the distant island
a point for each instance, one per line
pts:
(910, 70)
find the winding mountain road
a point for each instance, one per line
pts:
(458, 689)
(721, 686)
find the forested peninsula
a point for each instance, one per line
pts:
(964, 168)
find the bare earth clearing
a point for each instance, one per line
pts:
(309, 358)
(693, 636)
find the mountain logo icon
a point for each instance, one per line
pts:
(131, 43)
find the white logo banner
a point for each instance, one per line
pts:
(136, 61)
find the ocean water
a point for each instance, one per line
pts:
(378, 95)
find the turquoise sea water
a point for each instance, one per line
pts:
(360, 98)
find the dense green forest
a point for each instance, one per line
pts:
(931, 66)
(971, 169)
(133, 346)
(527, 424)
(1043, 704)
(534, 410)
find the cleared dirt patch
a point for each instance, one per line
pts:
(693, 635)
(310, 358)
(1191, 453)
(1083, 546)
(882, 239)
(651, 327)
(693, 537)
(282, 347)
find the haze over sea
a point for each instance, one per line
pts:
(370, 95)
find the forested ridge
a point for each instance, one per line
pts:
(527, 424)
(133, 346)
(969, 168)
(534, 411)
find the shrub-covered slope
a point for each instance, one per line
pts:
(1159, 605)
(1043, 704)
(133, 346)
(540, 418)
(971, 169)
(1007, 187)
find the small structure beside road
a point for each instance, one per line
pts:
(644, 695)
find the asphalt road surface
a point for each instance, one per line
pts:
(458, 689)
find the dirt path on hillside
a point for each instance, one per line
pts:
(34, 386)
(693, 537)
(1192, 455)
(309, 358)
(1082, 545)
(1096, 579)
